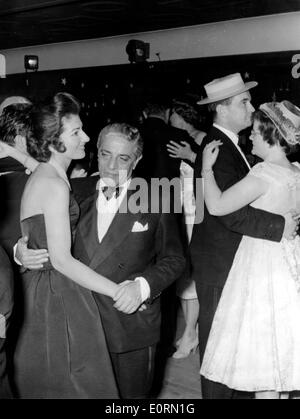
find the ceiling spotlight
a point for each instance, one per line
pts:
(31, 62)
(138, 51)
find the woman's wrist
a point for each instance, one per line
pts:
(206, 172)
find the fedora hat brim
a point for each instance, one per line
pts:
(249, 85)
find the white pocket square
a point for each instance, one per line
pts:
(139, 228)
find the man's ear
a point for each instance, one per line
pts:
(20, 143)
(221, 110)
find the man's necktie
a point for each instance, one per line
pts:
(108, 192)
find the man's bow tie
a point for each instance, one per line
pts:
(109, 191)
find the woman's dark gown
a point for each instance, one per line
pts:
(61, 352)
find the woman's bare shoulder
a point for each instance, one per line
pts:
(46, 182)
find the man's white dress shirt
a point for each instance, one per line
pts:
(107, 209)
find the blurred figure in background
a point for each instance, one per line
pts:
(186, 117)
(157, 133)
(78, 170)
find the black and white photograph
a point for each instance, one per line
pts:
(150, 202)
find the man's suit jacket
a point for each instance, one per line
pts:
(6, 307)
(216, 240)
(155, 254)
(156, 162)
(11, 189)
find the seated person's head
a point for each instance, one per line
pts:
(15, 125)
(276, 124)
(120, 148)
(57, 129)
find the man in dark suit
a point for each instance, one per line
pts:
(157, 133)
(6, 306)
(216, 240)
(14, 128)
(120, 236)
(157, 163)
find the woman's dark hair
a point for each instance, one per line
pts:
(187, 112)
(47, 125)
(15, 120)
(270, 133)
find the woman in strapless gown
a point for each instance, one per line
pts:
(61, 352)
(254, 343)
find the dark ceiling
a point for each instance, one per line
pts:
(34, 22)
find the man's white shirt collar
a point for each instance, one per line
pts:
(235, 139)
(124, 188)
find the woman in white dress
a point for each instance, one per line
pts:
(254, 343)
(186, 117)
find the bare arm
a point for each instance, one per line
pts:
(26, 160)
(238, 196)
(56, 213)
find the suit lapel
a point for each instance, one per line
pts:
(234, 151)
(88, 225)
(119, 229)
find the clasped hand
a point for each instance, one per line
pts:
(128, 297)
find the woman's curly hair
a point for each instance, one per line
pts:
(47, 125)
(271, 134)
(188, 112)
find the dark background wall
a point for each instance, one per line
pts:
(117, 93)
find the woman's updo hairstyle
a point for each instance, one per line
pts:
(187, 112)
(47, 125)
(270, 133)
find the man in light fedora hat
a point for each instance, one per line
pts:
(216, 240)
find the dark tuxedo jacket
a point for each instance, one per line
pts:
(155, 254)
(216, 240)
(156, 162)
(11, 189)
(6, 306)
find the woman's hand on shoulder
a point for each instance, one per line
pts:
(210, 154)
(181, 151)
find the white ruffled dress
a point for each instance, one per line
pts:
(254, 344)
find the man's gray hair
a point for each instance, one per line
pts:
(127, 131)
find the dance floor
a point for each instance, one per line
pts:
(181, 378)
